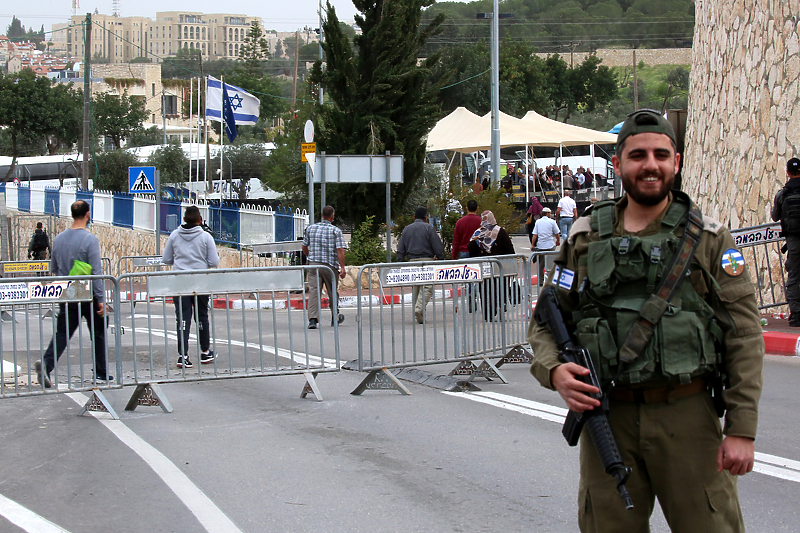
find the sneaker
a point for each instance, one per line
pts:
(312, 323)
(206, 358)
(42, 379)
(341, 319)
(418, 316)
(184, 362)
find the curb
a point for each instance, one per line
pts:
(778, 343)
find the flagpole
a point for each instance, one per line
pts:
(197, 166)
(221, 140)
(191, 145)
(208, 149)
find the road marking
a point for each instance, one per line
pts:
(297, 357)
(26, 519)
(207, 513)
(770, 465)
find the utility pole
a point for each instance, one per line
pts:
(296, 56)
(320, 47)
(164, 115)
(87, 98)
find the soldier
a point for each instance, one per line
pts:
(786, 208)
(661, 411)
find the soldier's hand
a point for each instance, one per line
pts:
(573, 390)
(736, 454)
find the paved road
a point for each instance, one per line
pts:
(251, 456)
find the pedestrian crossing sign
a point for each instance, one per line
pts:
(142, 180)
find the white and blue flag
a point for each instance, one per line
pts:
(245, 106)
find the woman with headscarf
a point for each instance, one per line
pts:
(490, 239)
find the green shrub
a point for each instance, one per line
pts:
(366, 245)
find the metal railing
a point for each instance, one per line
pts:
(761, 249)
(479, 310)
(271, 254)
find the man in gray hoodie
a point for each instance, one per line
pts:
(190, 247)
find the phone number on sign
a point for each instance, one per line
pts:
(14, 292)
(762, 235)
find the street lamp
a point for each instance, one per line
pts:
(495, 66)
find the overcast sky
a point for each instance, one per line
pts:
(281, 15)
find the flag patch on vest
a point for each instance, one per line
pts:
(566, 278)
(732, 262)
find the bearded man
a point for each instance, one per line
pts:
(661, 298)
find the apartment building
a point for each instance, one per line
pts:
(122, 39)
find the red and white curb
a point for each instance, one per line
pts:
(780, 343)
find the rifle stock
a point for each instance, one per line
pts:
(548, 314)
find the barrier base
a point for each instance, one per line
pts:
(517, 354)
(98, 404)
(5, 316)
(487, 370)
(381, 379)
(464, 368)
(149, 394)
(311, 386)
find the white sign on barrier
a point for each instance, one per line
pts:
(68, 290)
(760, 235)
(432, 274)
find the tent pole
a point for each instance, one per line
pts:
(561, 166)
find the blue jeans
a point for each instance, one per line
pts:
(565, 224)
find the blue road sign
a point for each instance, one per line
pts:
(142, 180)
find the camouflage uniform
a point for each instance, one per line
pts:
(670, 440)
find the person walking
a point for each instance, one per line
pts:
(323, 244)
(190, 247)
(76, 252)
(419, 242)
(786, 208)
(534, 214)
(657, 357)
(39, 244)
(566, 212)
(491, 239)
(465, 227)
(545, 237)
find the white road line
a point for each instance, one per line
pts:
(297, 357)
(26, 519)
(207, 513)
(770, 465)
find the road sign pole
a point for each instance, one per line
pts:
(158, 211)
(310, 179)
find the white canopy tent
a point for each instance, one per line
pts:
(464, 132)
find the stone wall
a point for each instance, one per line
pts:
(744, 100)
(623, 57)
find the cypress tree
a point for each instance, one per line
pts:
(380, 97)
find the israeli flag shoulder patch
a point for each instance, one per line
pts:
(566, 279)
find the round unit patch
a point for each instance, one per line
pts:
(733, 262)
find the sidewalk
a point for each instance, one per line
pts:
(779, 337)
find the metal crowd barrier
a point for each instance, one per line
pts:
(12, 269)
(140, 263)
(262, 335)
(32, 308)
(761, 249)
(271, 254)
(479, 310)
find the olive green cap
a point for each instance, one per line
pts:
(645, 121)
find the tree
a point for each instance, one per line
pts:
(253, 51)
(145, 137)
(25, 101)
(185, 64)
(118, 116)
(247, 161)
(112, 169)
(15, 30)
(381, 98)
(584, 87)
(65, 125)
(172, 162)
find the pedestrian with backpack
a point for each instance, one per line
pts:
(786, 208)
(39, 244)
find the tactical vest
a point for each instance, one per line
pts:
(620, 274)
(790, 211)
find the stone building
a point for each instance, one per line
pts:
(744, 104)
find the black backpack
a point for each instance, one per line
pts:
(790, 211)
(40, 242)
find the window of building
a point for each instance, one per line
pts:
(197, 32)
(204, 48)
(191, 45)
(236, 49)
(170, 47)
(230, 34)
(170, 32)
(156, 31)
(215, 48)
(191, 33)
(153, 88)
(215, 34)
(230, 49)
(204, 34)
(185, 32)
(186, 45)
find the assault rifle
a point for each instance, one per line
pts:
(548, 315)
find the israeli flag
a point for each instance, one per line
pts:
(245, 106)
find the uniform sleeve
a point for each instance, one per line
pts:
(776, 206)
(737, 313)
(545, 349)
